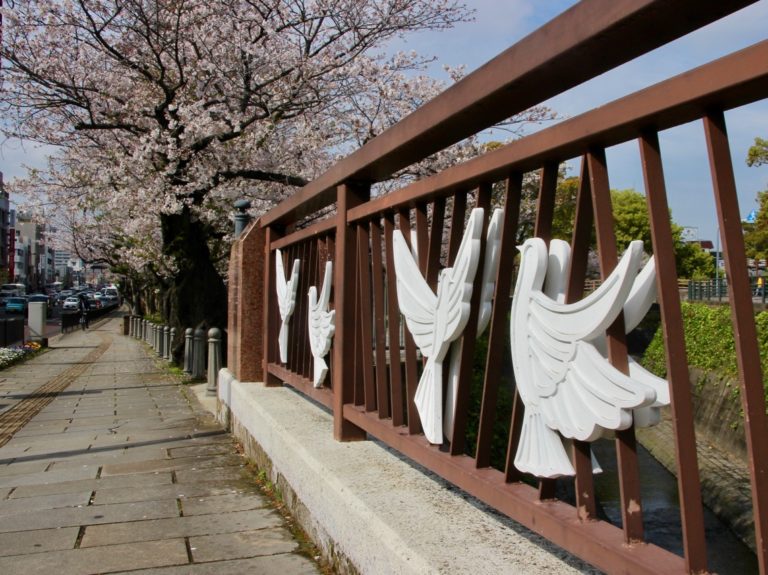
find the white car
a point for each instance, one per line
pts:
(71, 303)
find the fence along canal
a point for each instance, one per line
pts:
(370, 387)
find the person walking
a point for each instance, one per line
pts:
(85, 307)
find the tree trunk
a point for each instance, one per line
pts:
(197, 296)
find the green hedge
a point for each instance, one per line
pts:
(709, 341)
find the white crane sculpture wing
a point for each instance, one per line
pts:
(490, 268)
(321, 326)
(566, 384)
(435, 320)
(286, 300)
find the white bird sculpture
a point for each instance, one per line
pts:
(566, 384)
(321, 326)
(435, 320)
(286, 300)
(490, 267)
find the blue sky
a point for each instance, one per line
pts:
(497, 25)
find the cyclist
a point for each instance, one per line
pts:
(84, 306)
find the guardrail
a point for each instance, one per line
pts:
(374, 364)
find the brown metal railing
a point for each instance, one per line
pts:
(374, 362)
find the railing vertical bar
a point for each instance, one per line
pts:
(295, 348)
(545, 203)
(411, 367)
(382, 383)
(688, 484)
(435, 242)
(357, 345)
(545, 211)
(464, 385)
(744, 330)
(344, 275)
(393, 318)
(366, 318)
(326, 251)
(457, 225)
(308, 254)
(498, 336)
(422, 236)
(271, 316)
(584, 486)
(626, 444)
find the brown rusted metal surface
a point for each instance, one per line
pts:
(318, 229)
(727, 83)
(395, 364)
(379, 322)
(681, 405)
(602, 542)
(498, 336)
(366, 318)
(744, 330)
(361, 294)
(590, 38)
(323, 395)
(584, 485)
(344, 275)
(409, 346)
(463, 385)
(626, 447)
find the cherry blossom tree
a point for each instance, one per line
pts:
(166, 111)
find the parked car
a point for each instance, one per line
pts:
(16, 305)
(71, 303)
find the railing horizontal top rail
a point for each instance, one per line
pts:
(592, 37)
(729, 82)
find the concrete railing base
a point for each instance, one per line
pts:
(367, 509)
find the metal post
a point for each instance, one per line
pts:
(198, 354)
(188, 349)
(214, 359)
(241, 217)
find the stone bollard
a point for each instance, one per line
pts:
(166, 342)
(188, 349)
(198, 354)
(214, 360)
(169, 349)
(161, 340)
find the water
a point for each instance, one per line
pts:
(727, 554)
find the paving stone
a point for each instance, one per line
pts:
(26, 504)
(39, 541)
(212, 474)
(169, 464)
(24, 467)
(158, 492)
(125, 481)
(180, 527)
(214, 449)
(225, 503)
(100, 559)
(134, 512)
(284, 564)
(48, 477)
(241, 544)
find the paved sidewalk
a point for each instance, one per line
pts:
(107, 467)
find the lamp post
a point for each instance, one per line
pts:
(241, 217)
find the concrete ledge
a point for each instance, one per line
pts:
(368, 509)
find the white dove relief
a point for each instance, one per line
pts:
(321, 326)
(490, 268)
(286, 300)
(435, 320)
(566, 384)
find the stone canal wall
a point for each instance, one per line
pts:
(721, 450)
